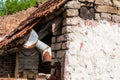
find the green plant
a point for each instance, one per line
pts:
(13, 6)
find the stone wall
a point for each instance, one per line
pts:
(87, 44)
(100, 9)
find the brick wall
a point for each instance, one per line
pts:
(57, 50)
(88, 49)
(100, 9)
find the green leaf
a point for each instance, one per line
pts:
(13, 6)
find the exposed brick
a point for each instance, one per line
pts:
(106, 16)
(71, 12)
(61, 53)
(56, 46)
(116, 18)
(97, 16)
(90, 0)
(106, 9)
(82, 0)
(116, 3)
(86, 0)
(61, 38)
(105, 2)
(54, 61)
(71, 21)
(67, 29)
(65, 45)
(118, 12)
(53, 46)
(53, 39)
(64, 30)
(57, 32)
(53, 54)
(72, 5)
(70, 37)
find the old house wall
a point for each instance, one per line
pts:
(7, 65)
(88, 49)
(7, 24)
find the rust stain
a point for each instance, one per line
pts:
(90, 23)
(47, 57)
(53, 77)
(81, 45)
(86, 33)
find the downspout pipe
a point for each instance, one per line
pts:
(34, 42)
(45, 50)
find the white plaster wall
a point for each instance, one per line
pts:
(94, 51)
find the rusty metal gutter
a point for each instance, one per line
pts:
(33, 41)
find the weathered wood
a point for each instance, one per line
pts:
(28, 74)
(17, 67)
(13, 50)
(10, 51)
(44, 10)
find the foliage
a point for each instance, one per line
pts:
(13, 6)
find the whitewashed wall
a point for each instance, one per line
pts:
(94, 51)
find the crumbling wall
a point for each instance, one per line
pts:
(100, 9)
(87, 45)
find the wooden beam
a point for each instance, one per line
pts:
(17, 66)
